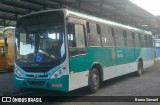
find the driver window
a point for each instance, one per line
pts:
(76, 39)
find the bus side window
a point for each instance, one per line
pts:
(119, 37)
(93, 34)
(76, 39)
(143, 40)
(71, 35)
(111, 40)
(107, 37)
(137, 41)
(151, 41)
(130, 39)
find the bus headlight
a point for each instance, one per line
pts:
(18, 73)
(57, 74)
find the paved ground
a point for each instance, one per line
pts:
(146, 85)
(6, 82)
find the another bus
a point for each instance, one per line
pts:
(7, 49)
(65, 50)
(3, 63)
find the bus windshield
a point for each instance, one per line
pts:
(42, 43)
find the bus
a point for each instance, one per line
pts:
(65, 50)
(2, 56)
(7, 49)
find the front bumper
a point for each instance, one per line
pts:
(60, 84)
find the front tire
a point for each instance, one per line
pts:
(94, 81)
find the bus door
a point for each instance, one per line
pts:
(78, 59)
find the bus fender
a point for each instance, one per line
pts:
(98, 66)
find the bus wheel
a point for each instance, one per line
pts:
(140, 68)
(94, 80)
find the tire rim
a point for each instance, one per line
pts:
(94, 80)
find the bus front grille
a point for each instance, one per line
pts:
(36, 83)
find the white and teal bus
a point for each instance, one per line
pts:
(65, 50)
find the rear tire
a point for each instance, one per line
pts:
(94, 80)
(140, 69)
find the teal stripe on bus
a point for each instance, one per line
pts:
(108, 57)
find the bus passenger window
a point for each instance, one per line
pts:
(143, 40)
(137, 41)
(119, 37)
(150, 41)
(71, 35)
(104, 33)
(111, 36)
(93, 36)
(79, 34)
(129, 39)
(76, 39)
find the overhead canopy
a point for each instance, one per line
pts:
(122, 11)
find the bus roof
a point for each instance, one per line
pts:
(94, 18)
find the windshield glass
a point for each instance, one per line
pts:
(40, 44)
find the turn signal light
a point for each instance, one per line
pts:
(60, 72)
